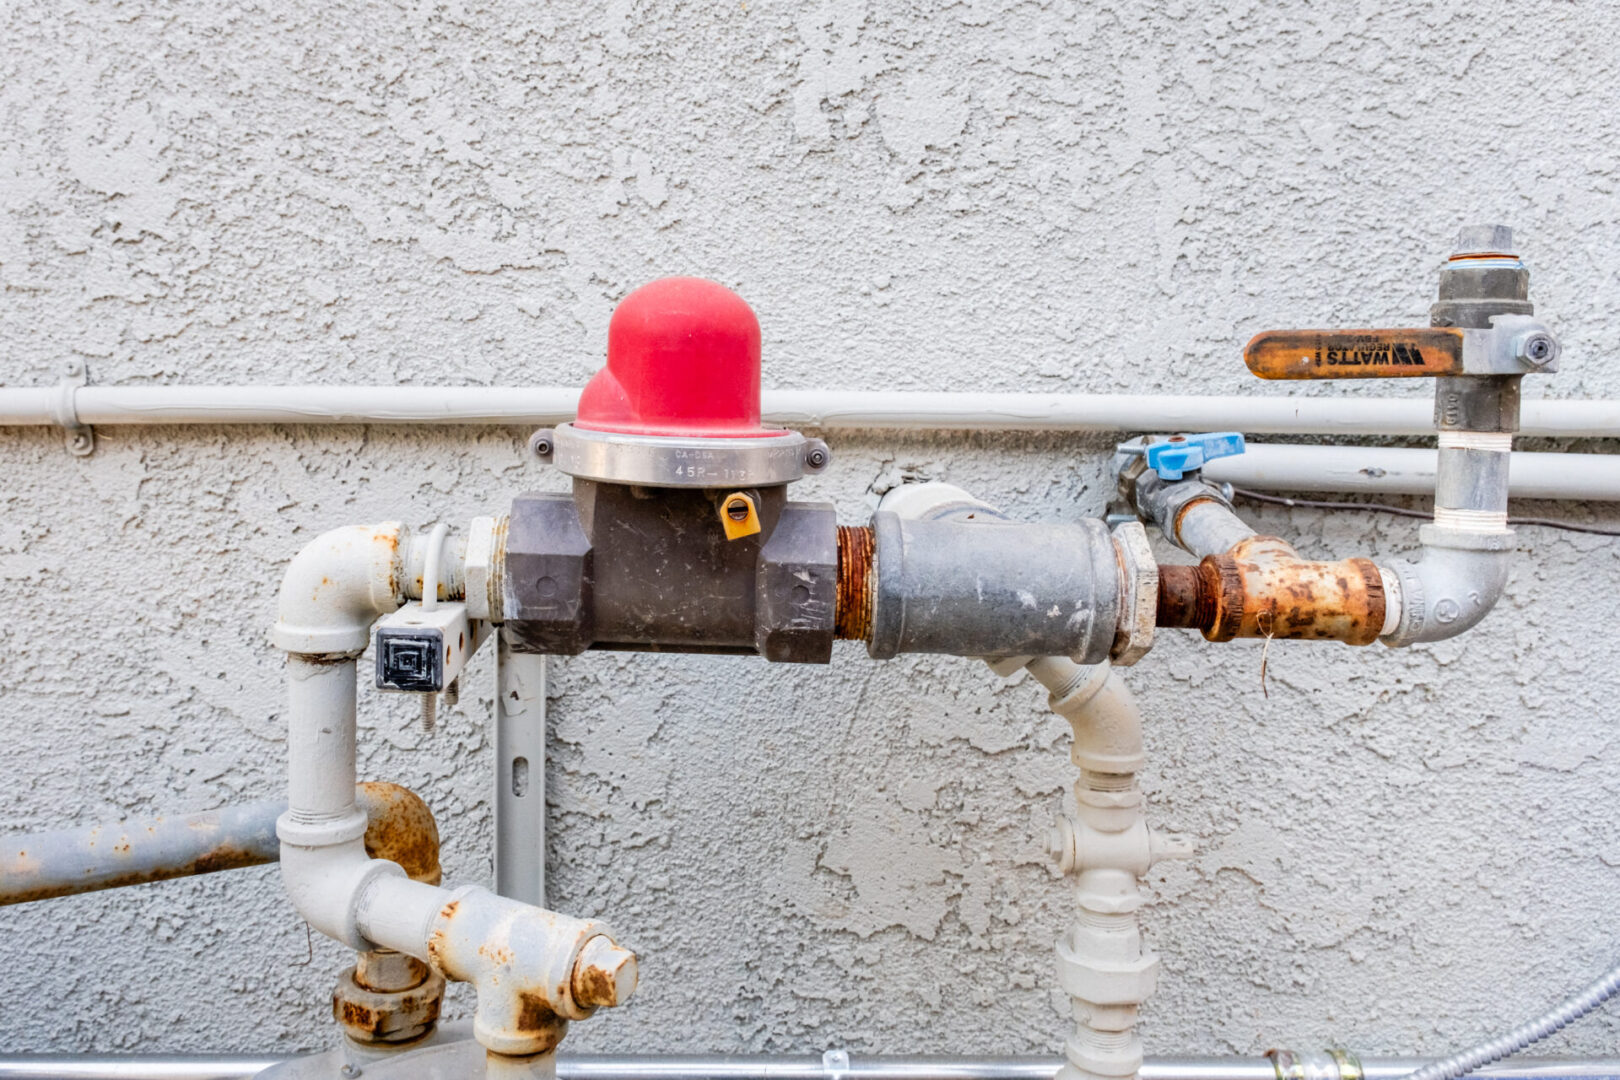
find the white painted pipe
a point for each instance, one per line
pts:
(520, 958)
(1287, 467)
(824, 410)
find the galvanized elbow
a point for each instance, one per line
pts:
(1452, 587)
(1467, 552)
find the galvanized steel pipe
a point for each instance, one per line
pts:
(70, 861)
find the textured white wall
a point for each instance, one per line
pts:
(1399, 850)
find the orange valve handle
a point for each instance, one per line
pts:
(1355, 354)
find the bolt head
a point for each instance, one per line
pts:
(1538, 349)
(605, 974)
(816, 455)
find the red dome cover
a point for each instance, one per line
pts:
(682, 359)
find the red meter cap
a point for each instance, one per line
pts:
(682, 359)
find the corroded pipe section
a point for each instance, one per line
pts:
(535, 969)
(400, 828)
(389, 998)
(1262, 588)
(853, 612)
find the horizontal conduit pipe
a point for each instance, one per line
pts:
(636, 1067)
(1288, 467)
(824, 410)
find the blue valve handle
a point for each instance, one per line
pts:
(1180, 454)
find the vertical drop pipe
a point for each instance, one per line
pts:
(520, 774)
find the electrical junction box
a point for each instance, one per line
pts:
(422, 650)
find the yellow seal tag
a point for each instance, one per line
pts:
(738, 516)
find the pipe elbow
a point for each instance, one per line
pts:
(400, 828)
(326, 883)
(1100, 708)
(1454, 585)
(337, 586)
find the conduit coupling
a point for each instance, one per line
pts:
(533, 969)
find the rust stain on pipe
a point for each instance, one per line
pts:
(401, 829)
(852, 618)
(226, 856)
(1262, 588)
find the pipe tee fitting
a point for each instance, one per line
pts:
(534, 969)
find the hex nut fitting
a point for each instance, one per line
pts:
(382, 1016)
(1536, 349)
(605, 974)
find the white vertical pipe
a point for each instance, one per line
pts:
(520, 774)
(320, 739)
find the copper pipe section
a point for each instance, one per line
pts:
(852, 614)
(401, 829)
(1262, 588)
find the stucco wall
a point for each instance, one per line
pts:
(1398, 850)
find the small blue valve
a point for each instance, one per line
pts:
(1179, 454)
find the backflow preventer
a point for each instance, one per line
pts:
(678, 535)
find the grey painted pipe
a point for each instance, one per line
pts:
(827, 1067)
(70, 861)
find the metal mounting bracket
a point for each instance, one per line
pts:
(81, 438)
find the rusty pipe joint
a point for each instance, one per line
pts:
(534, 970)
(1261, 588)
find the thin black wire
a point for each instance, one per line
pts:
(1402, 511)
